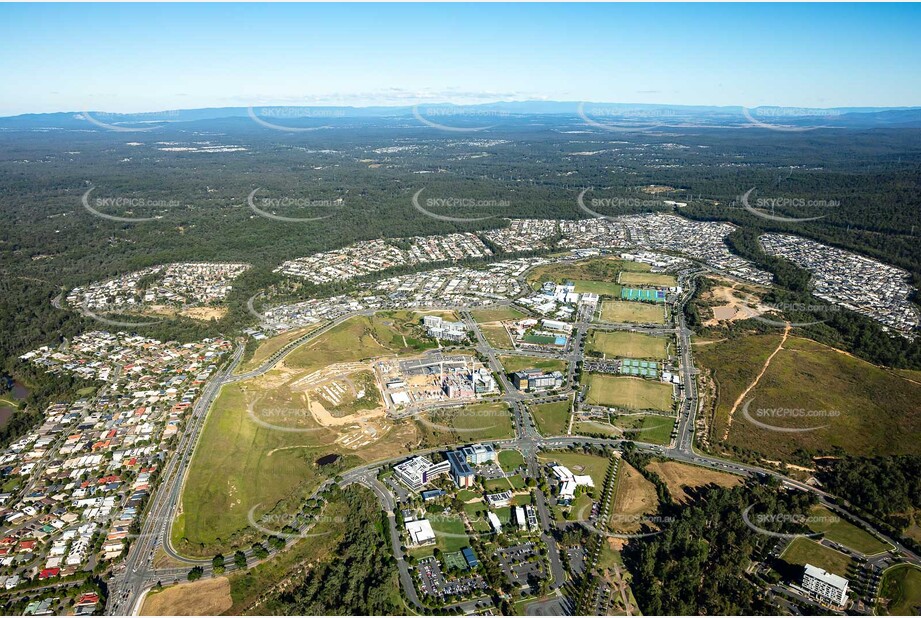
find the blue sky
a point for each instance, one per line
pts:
(121, 57)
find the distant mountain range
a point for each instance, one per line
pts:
(619, 115)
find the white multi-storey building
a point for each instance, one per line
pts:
(824, 585)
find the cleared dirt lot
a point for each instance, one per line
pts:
(634, 497)
(207, 597)
(678, 476)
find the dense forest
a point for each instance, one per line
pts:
(357, 580)
(698, 564)
(888, 488)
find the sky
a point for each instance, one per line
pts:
(144, 57)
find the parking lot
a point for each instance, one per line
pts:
(521, 563)
(432, 581)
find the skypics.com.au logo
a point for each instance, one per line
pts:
(123, 202)
(268, 207)
(758, 417)
(626, 526)
(799, 308)
(283, 419)
(763, 522)
(766, 207)
(458, 118)
(629, 204)
(465, 204)
(787, 119)
(623, 119)
(280, 118)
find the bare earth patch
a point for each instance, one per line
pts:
(204, 313)
(635, 496)
(734, 304)
(207, 597)
(678, 476)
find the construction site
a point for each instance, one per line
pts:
(433, 378)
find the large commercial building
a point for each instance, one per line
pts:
(419, 471)
(439, 328)
(478, 454)
(420, 532)
(536, 379)
(461, 471)
(825, 586)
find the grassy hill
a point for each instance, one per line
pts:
(858, 406)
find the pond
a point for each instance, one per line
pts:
(9, 402)
(326, 460)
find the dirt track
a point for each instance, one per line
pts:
(767, 363)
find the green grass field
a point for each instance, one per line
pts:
(591, 428)
(512, 482)
(628, 392)
(601, 288)
(539, 339)
(624, 344)
(238, 466)
(521, 499)
(490, 322)
(402, 330)
(355, 339)
(854, 418)
(841, 531)
(512, 364)
(450, 534)
(654, 279)
(510, 459)
(599, 269)
(802, 551)
(649, 428)
(465, 495)
(901, 587)
(552, 418)
(622, 311)
(476, 514)
(496, 314)
(479, 422)
(497, 336)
